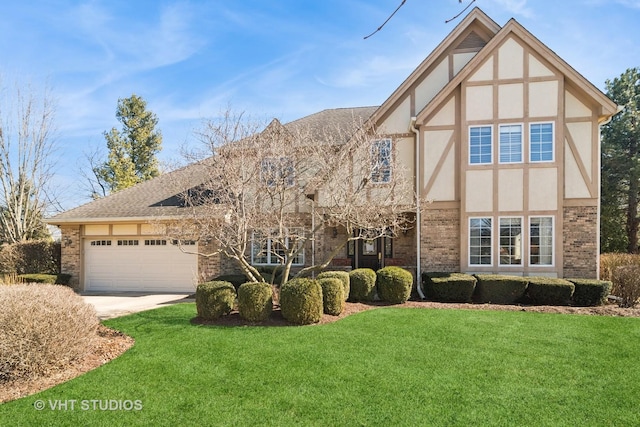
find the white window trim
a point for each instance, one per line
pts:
(553, 142)
(521, 143)
(469, 144)
(522, 250)
(491, 244)
(376, 141)
(553, 242)
(269, 241)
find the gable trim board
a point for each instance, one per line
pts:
(481, 74)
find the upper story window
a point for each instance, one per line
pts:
(510, 143)
(381, 161)
(277, 171)
(541, 142)
(480, 142)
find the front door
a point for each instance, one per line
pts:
(369, 254)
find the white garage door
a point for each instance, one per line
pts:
(139, 265)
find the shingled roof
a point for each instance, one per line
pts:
(158, 197)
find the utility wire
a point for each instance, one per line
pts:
(463, 10)
(402, 4)
(384, 23)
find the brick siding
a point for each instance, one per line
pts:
(70, 254)
(579, 242)
(440, 240)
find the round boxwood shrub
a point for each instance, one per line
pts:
(448, 287)
(301, 301)
(549, 291)
(214, 299)
(255, 301)
(235, 279)
(332, 295)
(344, 278)
(590, 292)
(363, 284)
(497, 289)
(394, 284)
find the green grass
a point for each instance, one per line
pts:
(381, 367)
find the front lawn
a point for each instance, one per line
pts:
(389, 366)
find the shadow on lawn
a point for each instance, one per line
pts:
(234, 319)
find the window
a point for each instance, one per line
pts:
(128, 242)
(183, 242)
(277, 172)
(155, 242)
(381, 161)
(101, 243)
(541, 146)
(479, 145)
(510, 143)
(541, 240)
(480, 241)
(267, 251)
(510, 241)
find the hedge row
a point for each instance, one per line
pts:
(498, 289)
(302, 300)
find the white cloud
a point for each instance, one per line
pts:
(515, 7)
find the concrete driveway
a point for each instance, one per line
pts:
(116, 304)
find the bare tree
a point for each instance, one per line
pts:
(267, 194)
(26, 144)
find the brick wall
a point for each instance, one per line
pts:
(70, 254)
(579, 241)
(208, 266)
(440, 240)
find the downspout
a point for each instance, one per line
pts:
(313, 236)
(413, 129)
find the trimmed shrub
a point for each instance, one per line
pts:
(301, 301)
(332, 295)
(549, 291)
(497, 289)
(342, 275)
(626, 285)
(52, 279)
(214, 299)
(235, 279)
(590, 292)
(448, 287)
(255, 301)
(363, 284)
(394, 284)
(42, 327)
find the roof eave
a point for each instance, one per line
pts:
(103, 220)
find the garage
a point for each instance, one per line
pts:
(143, 264)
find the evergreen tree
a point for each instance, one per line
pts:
(621, 166)
(132, 151)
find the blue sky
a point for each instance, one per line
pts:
(279, 58)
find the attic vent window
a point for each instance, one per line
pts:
(472, 41)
